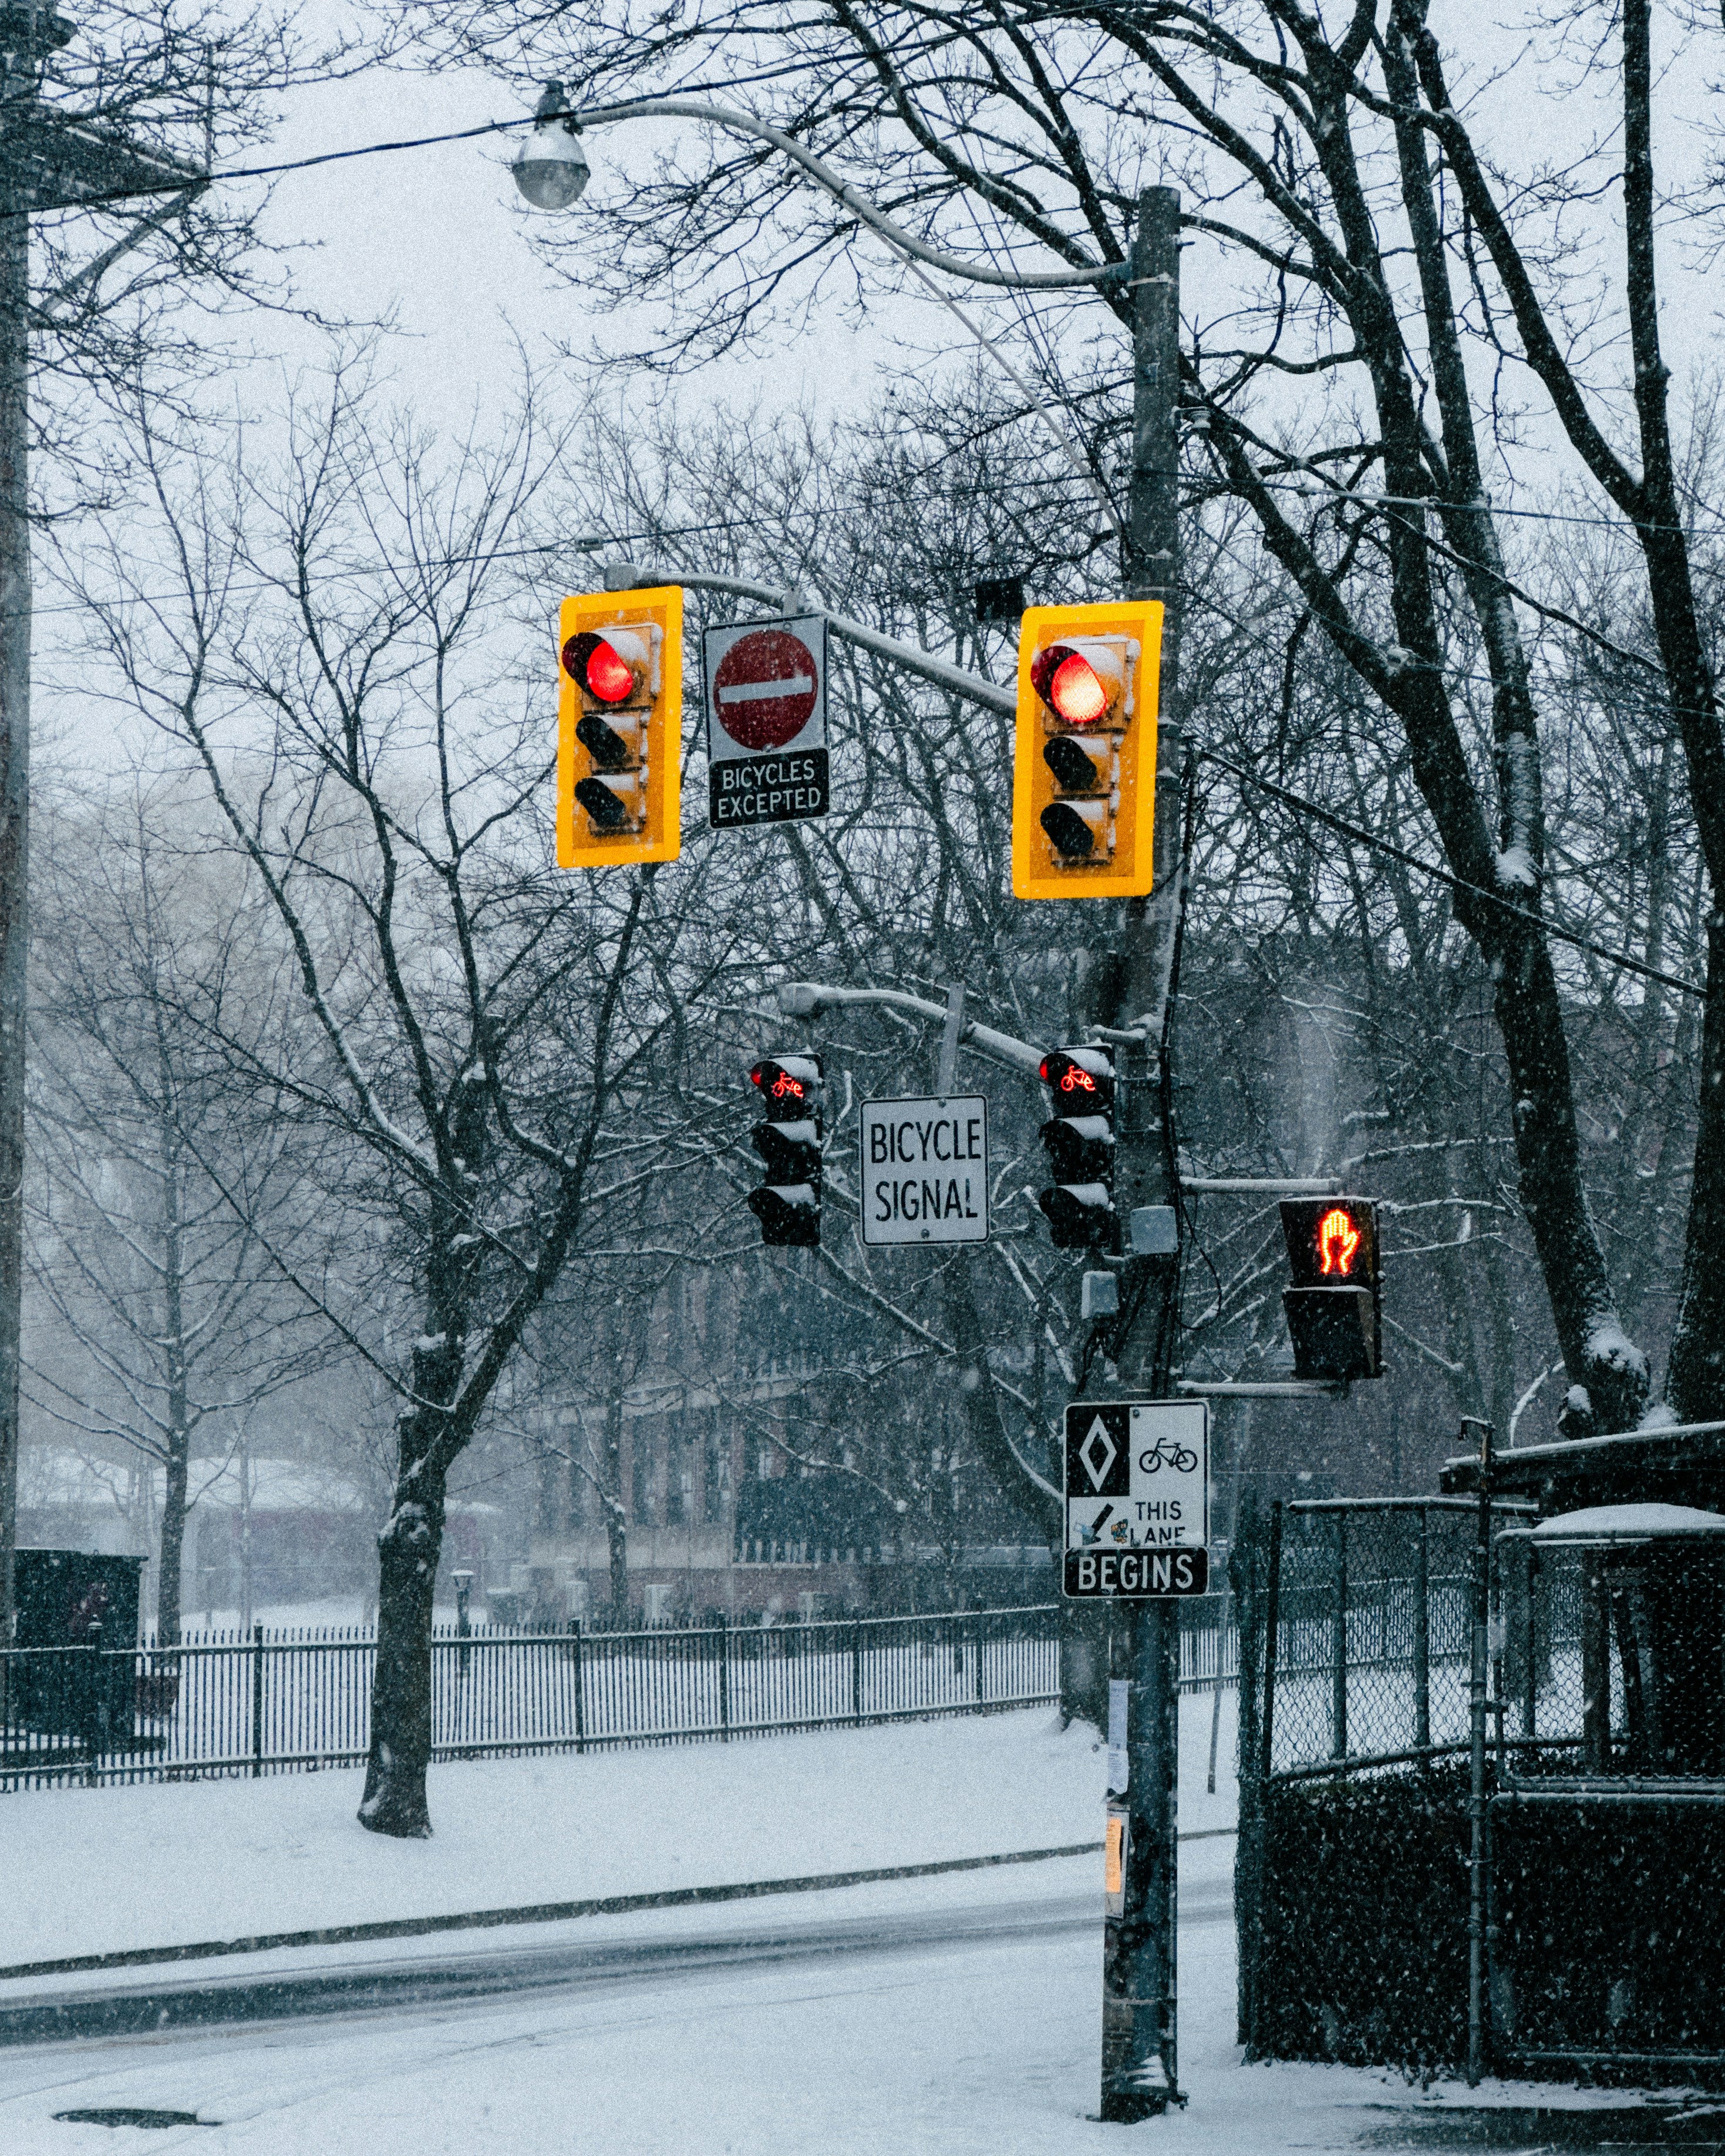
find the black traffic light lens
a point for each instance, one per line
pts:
(789, 1215)
(1068, 833)
(606, 747)
(595, 665)
(607, 812)
(1080, 1148)
(1080, 1217)
(1072, 768)
(791, 1151)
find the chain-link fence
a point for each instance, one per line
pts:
(1607, 1803)
(1585, 1807)
(1370, 1654)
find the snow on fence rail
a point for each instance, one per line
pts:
(278, 1701)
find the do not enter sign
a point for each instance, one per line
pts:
(764, 689)
(766, 722)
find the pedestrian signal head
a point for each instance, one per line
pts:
(1333, 1306)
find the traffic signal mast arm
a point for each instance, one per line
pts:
(956, 680)
(809, 999)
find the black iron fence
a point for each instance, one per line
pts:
(270, 1702)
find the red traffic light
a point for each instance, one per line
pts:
(595, 665)
(1070, 685)
(1081, 1079)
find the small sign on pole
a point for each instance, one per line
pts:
(925, 1170)
(1138, 1499)
(766, 722)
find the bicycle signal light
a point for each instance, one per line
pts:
(1080, 1139)
(788, 1203)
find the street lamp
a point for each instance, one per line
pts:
(549, 167)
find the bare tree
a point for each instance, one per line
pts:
(337, 663)
(1370, 256)
(154, 1186)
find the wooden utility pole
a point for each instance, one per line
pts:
(24, 35)
(1139, 2019)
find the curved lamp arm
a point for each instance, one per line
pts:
(817, 168)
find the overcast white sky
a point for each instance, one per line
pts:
(439, 237)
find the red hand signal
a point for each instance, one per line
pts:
(1338, 1239)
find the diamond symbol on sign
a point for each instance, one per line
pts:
(1097, 1453)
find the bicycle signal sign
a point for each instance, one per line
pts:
(1138, 1499)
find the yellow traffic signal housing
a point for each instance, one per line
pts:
(620, 728)
(1083, 773)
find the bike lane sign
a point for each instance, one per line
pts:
(1138, 1499)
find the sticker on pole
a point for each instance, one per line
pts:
(1138, 1499)
(925, 1170)
(766, 722)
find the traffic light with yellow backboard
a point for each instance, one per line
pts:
(619, 727)
(1084, 773)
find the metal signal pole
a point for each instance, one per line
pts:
(1140, 2055)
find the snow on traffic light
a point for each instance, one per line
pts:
(1080, 1139)
(1332, 1307)
(619, 727)
(787, 1204)
(1084, 776)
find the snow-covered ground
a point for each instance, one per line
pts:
(977, 2046)
(970, 2048)
(92, 1870)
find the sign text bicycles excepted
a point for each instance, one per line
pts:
(766, 722)
(1138, 1499)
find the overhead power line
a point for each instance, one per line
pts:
(1364, 838)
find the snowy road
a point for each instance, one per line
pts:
(450, 1974)
(950, 2017)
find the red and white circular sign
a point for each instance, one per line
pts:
(764, 689)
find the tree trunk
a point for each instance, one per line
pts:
(616, 1517)
(179, 1432)
(408, 1548)
(173, 1537)
(1696, 1378)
